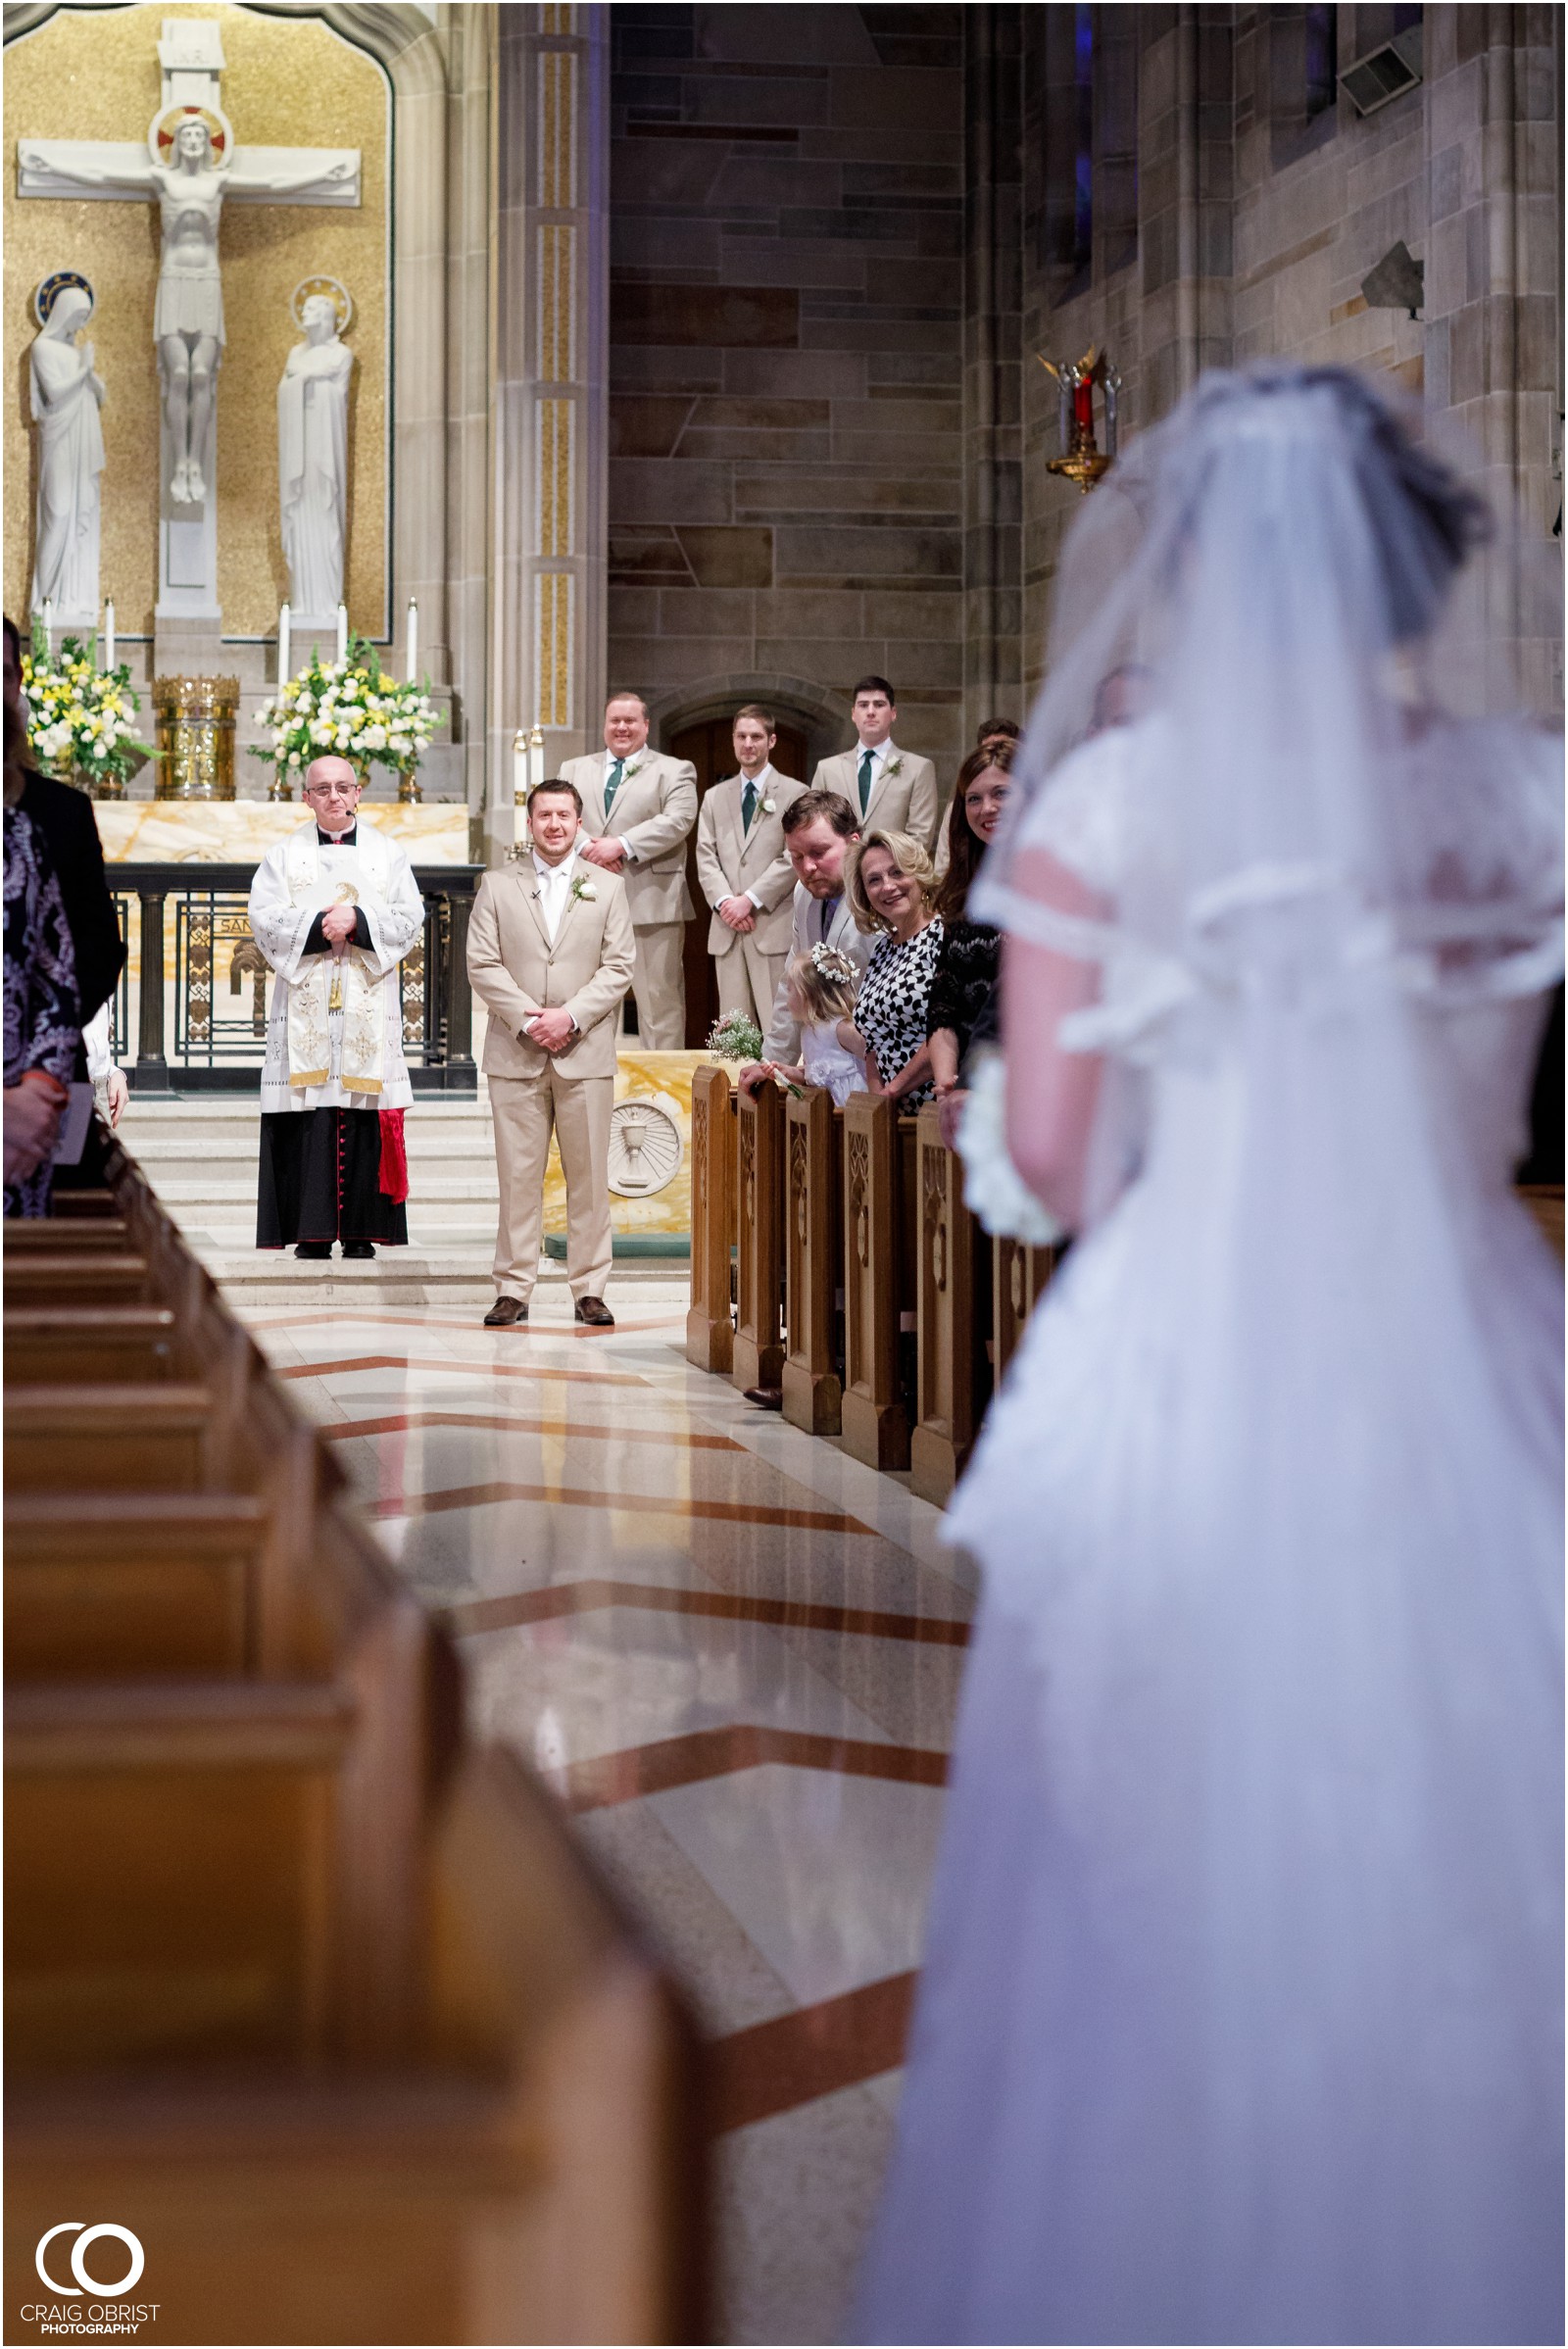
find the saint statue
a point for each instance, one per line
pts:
(66, 395)
(313, 442)
(189, 319)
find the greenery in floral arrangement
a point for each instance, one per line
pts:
(350, 706)
(79, 715)
(737, 1038)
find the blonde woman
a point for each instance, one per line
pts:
(892, 887)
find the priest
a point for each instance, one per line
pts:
(334, 909)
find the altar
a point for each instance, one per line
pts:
(241, 831)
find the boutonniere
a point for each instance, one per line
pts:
(635, 768)
(583, 888)
(768, 807)
(894, 766)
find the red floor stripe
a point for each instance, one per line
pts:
(773, 2067)
(707, 1753)
(639, 1505)
(584, 1598)
(397, 1422)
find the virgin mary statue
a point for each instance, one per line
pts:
(66, 395)
(312, 401)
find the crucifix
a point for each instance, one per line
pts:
(191, 164)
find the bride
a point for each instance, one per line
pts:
(1241, 2010)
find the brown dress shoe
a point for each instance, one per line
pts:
(767, 1399)
(507, 1314)
(595, 1312)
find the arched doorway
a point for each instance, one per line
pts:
(707, 744)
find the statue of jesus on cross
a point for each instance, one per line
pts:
(191, 164)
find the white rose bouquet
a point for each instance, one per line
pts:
(79, 717)
(349, 706)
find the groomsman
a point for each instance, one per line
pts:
(890, 790)
(638, 809)
(550, 955)
(819, 831)
(744, 870)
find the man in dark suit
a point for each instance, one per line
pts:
(70, 829)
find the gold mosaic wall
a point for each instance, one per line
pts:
(287, 82)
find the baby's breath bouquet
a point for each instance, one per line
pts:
(737, 1038)
(350, 706)
(79, 717)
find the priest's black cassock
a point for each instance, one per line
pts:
(334, 1081)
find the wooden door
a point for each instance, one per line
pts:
(710, 749)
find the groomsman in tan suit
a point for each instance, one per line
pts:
(638, 809)
(890, 790)
(550, 954)
(744, 870)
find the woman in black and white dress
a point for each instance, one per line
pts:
(891, 886)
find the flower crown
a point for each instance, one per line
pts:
(833, 963)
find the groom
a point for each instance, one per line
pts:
(551, 955)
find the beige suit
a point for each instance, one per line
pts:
(904, 801)
(732, 863)
(654, 808)
(516, 970)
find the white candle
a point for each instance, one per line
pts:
(342, 632)
(521, 768)
(537, 759)
(284, 620)
(414, 640)
(49, 623)
(108, 634)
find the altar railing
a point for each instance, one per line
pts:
(190, 1010)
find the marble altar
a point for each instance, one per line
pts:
(241, 831)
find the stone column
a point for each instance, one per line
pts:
(1183, 200)
(993, 364)
(1493, 264)
(549, 529)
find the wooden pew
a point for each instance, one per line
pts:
(47, 1345)
(710, 1322)
(335, 2018)
(759, 1350)
(814, 1261)
(1020, 1277)
(878, 1278)
(953, 1276)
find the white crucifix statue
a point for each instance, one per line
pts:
(191, 164)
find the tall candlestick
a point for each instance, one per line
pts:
(284, 626)
(342, 632)
(108, 634)
(49, 623)
(536, 756)
(414, 640)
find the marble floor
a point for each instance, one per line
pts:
(735, 1654)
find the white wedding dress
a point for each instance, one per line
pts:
(1240, 2007)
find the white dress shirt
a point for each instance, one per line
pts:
(555, 887)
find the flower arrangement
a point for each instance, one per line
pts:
(737, 1038)
(350, 706)
(79, 715)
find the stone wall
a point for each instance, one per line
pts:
(786, 477)
(1256, 223)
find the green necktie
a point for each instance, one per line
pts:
(748, 804)
(612, 786)
(865, 782)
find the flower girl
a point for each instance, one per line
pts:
(822, 991)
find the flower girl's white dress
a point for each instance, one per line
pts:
(1244, 1968)
(827, 1062)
